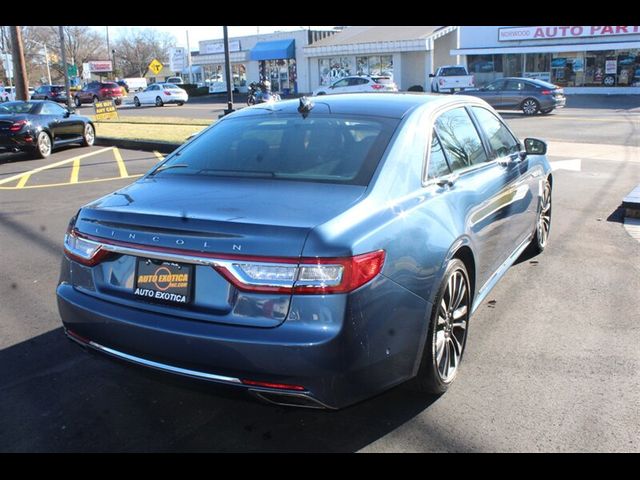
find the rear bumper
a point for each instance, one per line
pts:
(340, 348)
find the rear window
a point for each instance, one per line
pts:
(453, 71)
(57, 88)
(109, 85)
(17, 107)
(171, 86)
(320, 148)
(543, 84)
(383, 80)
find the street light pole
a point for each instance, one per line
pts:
(67, 86)
(227, 71)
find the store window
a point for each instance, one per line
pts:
(375, 65)
(538, 65)
(334, 68)
(568, 69)
(215, 73)
(485, 68)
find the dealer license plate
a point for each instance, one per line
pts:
(161, 281)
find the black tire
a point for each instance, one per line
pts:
(118, 101)
(321, 93)
(530, 106)
(609, 81)
(435, 375)
(543, 221)
(136, 101)
(415, 88)
(89, 135)
(159, 102)
(77, 102)
(180, 104)
(546, 111)
(43, 145)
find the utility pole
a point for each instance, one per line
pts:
(227, 71)
(19, 68)
(5, 48)
(67, 86)
(189, 59)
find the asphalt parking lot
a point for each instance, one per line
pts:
(552, 360)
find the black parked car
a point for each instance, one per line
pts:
(526, 94)
(50, 92)
(39, 126)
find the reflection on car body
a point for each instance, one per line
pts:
(330, 249)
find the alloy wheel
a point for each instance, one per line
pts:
(89, 135)
(544, 216)
(451, 326)
(530, 107)
(44, 144)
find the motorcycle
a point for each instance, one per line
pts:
(259, 93)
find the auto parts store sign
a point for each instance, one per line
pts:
(542, 33)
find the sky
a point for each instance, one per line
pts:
(199, 33)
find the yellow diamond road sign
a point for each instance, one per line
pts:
(155, 66)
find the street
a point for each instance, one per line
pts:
(552, 362)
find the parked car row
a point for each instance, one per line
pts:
(511, 93)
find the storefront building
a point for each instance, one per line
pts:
(582, 59)
(272, 56)
(407, 54)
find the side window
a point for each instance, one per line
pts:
(501, 141)
(460, 139)
(438, 165)
(341, 83)
(515, 85)
(40, 90)
(497, 85)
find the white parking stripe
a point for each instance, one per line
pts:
(572, 165)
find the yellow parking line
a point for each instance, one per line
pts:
(79, 183)
(53, 165)
(23, 180)
(75, 171)
(120, 162)
(158, 154)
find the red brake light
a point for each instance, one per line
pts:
(17, 126)
(546, 92)
(377, 86)
(280, 386)
(167, 92)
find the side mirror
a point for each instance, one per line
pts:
(431, 75)
(533, 146)
(67, 113)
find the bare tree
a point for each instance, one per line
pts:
(136, 48)
(82, 45)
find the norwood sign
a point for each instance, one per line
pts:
(554, 32)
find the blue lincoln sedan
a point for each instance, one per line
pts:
(313, 252)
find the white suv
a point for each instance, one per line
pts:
(374, 83)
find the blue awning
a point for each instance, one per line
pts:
(274, 50)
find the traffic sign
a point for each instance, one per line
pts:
(155, 66)
(72, 70)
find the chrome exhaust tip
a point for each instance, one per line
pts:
(289, 399)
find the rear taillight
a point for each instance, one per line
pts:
(546, 92)
(104, 91)
(17, 126)
(167, 92)
(304, 276)
(82, 250)
(307, 276)
(377, 86)
(54, 94)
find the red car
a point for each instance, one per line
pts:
(98, 91)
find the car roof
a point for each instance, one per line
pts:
(394, 105)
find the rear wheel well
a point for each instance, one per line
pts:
(465, 254)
